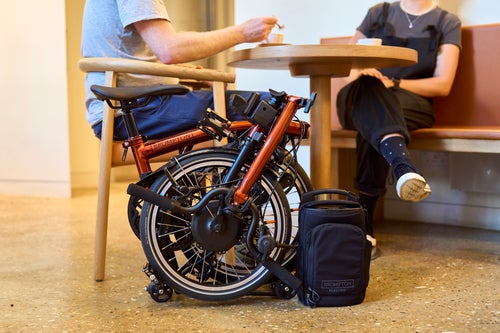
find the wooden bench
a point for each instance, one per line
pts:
(467, 120)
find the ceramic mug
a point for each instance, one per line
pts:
(275, 38)
(369, 41)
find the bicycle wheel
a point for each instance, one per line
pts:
(187, 254)
(295, 182)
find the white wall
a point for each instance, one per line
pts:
(34, 124)
(308, 21)
(84, 146)
(52, 149)
(455, 199)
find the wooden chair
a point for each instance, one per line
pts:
(111, 67)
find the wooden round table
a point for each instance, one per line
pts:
(320, 63)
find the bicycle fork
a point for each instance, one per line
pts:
(270, 145)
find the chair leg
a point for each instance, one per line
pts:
(101, 230)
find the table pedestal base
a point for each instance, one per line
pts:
(321, 133)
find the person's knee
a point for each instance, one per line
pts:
(370, 81)
(97, 128)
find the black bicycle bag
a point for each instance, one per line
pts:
(333, 255)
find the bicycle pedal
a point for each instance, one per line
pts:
(215, 125)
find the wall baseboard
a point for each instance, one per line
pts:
(38, 188)
(457, 215)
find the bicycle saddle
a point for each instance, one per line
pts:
(132, 93)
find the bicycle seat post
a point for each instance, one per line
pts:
(128, 118)
(134, 140)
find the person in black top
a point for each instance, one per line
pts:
(384, 105)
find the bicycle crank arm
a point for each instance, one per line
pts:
(263, 258)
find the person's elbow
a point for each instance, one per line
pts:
(444, 92)
(444, 88)
(168, 55)
(446, 69)
(167, 58)
(440, 85)
(161, 39)
(441, 92)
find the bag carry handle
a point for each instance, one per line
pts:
(309, 196)
(338, 204)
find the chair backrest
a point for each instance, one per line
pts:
(474, 99)
(336, 83)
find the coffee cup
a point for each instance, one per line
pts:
(369, 41)
(275, 38)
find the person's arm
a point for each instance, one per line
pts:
(173, 47)
(444, 74)
(438, 85)
(357, 36)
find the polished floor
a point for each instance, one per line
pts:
(429, 279)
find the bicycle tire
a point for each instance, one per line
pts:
(293, 191)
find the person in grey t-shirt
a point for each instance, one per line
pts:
(142, 30)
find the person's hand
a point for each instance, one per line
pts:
(371, 72)
(257, 29)
(376, 73)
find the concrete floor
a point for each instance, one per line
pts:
(429, 279)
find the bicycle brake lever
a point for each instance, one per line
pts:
(125, 150)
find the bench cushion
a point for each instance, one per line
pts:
(464, 132)
(440, 132)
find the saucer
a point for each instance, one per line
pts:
(272, 44)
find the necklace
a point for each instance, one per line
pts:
(411, 23)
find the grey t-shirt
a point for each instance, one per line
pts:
(423, 33)
(451, 33)
(108, 31)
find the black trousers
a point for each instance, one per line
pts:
(367, 106)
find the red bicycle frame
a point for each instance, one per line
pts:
(144, 151)
(280, 128)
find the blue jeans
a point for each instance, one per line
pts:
(367, 106)
(167, 115)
